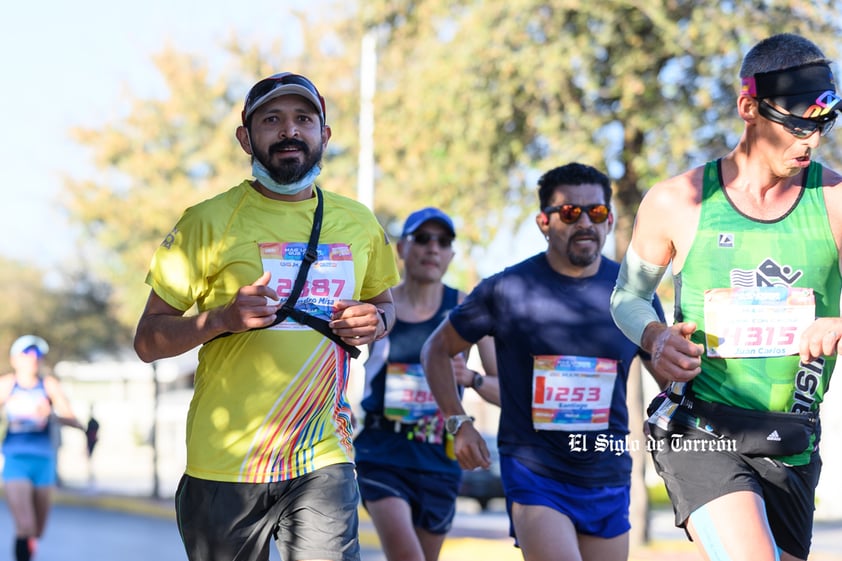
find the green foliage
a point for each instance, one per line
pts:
(73, 314)
(474, 100)
(25, 309)
(172, 152)
(164, 156)
(477, 97)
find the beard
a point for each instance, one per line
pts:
(289, 170)
(582, 258)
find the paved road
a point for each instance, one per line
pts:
(83, 533)
(78, 533)
(86, 529)
(105, 528)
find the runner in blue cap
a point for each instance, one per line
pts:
(408, 477)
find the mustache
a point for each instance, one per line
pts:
(589, 233)
(289, 143)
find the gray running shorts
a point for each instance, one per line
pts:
(694, 478)
(314, 516)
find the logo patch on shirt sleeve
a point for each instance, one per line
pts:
(168, 241)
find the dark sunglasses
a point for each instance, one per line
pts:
(570, 214)
(423, 238)
(798, 127)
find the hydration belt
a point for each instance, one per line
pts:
(751, 432)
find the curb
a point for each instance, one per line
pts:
(145, 506)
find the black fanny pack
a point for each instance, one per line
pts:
(749, 432)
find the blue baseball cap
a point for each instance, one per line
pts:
(26, 342)
(419, 217)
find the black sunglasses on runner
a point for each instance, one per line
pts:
(423, 238)
(570, 214)
(798, 127)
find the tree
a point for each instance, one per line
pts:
(171, 152)
(166, 155)
(72, 312)
(26, 309)
(474, 100)
(479, 97)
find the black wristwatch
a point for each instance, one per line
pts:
(477, 380)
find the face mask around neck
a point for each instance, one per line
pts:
(262, 175)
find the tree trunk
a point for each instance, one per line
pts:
(639, 510)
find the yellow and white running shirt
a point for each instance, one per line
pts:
(269, 405)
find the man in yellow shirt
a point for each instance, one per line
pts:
(269, 449)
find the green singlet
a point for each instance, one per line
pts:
(733, 250)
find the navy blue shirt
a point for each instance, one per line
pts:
(383, 445)
(530, 310)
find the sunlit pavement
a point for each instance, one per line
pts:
(89, 526)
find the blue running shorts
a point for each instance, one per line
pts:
(431, 495)
(40, 470)
(602, 512)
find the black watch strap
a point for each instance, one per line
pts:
(383, 317)
(382, 313)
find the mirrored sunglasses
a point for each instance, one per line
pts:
(798, 127)
(570, 214)
(424, 238)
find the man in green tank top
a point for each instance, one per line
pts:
(753, 240)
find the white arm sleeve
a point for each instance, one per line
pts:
(631, 301)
